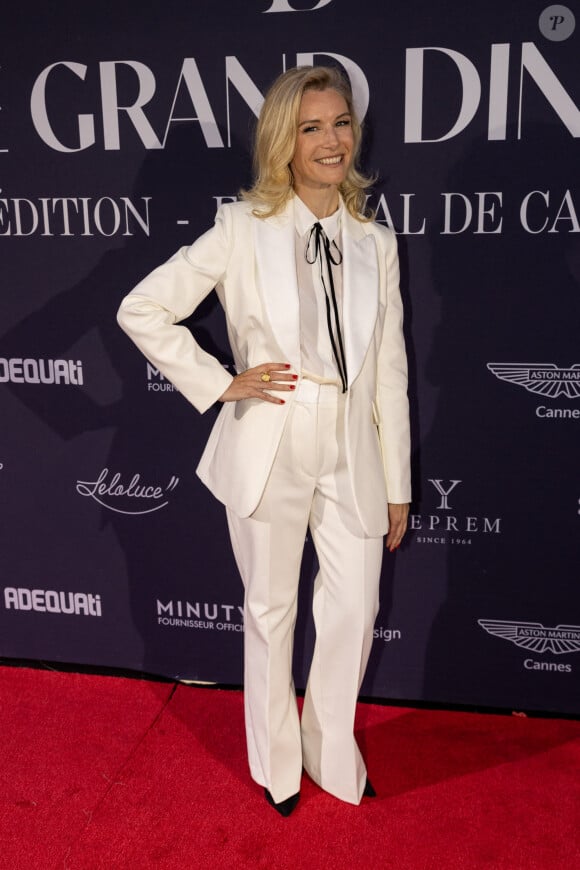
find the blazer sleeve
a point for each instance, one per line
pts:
(392, 397)
(151, 312)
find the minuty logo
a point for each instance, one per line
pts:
(157, 383)
(134, 498)
(202, 615)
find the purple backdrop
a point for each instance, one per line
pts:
(122, 127)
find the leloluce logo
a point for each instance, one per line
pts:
(544, 379)
(446, 526)
(131, 497)
(538, 639)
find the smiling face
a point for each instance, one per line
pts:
(324, 143)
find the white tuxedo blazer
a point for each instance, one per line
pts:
(251, 263)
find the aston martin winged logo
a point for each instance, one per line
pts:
(535, 636)
(546, 379)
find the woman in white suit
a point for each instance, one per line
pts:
(314, 429)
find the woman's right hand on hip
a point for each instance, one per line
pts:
(259, 382)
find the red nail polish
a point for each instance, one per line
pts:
(282, 401)
(295, 377)
(287, 365)
(292, 386)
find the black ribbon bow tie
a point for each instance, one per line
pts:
(320, 249)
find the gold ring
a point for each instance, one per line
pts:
(265, 377)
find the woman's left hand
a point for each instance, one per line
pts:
(398, 514)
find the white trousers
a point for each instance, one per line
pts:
(308, 487)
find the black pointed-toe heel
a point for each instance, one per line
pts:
(285, 807)
(369, 790)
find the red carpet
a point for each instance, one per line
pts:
(100, 773)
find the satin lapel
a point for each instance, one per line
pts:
(360, 293)
(274, 240)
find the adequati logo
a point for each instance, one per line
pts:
(157, 383)
(538, 638)
(544, 379)
(449, 528)
(41, 371)
(52, 601)
(201, 615)
(134, 498)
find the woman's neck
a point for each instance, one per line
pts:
(322, 203)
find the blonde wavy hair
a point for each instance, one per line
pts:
(275, 143)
